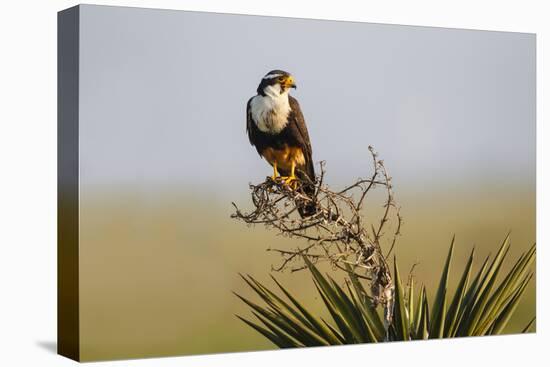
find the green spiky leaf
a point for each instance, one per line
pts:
(481, 307)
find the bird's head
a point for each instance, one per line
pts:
(276, 82)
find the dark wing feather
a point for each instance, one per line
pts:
(297, 123)
(249, 122)
(251, 128)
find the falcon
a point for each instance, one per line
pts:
(276, 127)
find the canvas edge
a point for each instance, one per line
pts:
(68, 315)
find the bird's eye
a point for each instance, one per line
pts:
(281, 79)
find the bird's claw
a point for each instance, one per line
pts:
(291, 181)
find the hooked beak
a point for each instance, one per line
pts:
(289, 83)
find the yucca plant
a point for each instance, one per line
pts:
(482, 304)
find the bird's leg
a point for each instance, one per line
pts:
(275, 172)
(291, 180)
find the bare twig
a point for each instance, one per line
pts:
(335, 232)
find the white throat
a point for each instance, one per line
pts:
(270, 112)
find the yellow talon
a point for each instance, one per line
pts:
(275, 172)
(293, 183)
(292, 180)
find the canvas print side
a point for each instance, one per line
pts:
(68, 336)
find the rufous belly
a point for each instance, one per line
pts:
(284, 157)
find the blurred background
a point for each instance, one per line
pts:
(163, 152)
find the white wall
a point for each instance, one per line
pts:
(28, 180)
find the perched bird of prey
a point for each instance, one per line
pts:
(276, 127)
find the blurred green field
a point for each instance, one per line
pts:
(158, 270)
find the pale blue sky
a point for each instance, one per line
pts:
(163, 97)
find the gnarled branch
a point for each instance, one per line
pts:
(336, 232)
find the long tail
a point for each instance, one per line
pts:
(308, 208)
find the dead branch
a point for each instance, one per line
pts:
(336, 233)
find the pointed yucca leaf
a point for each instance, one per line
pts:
(359, 289)
(504, 292)
(368, 332)
(297, 330)
(253, 305)
(284, 337)
(511, 282)
(351, 315)
(391, 334)
(410, 303)
(325, 332)
(470, 297)
(269, 335)
(252, 285)
(423, 330)
(268, 314)
(273, 317)
(356, 320)
(341, 324)
(285, 311)
(504, 317)
(263, 295)
(368, 309)
(468, 302)
(418, 314)
(489, 276)
(290, 326)
(334, 297)
(438, 324)
(338, 335)
(437, 317)
(480, 308)
(400, 322)
(371, 317)
(486, 286)
(277, 303)
(454, 307)
(525, 263)
(528, 327)
(283, 314)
